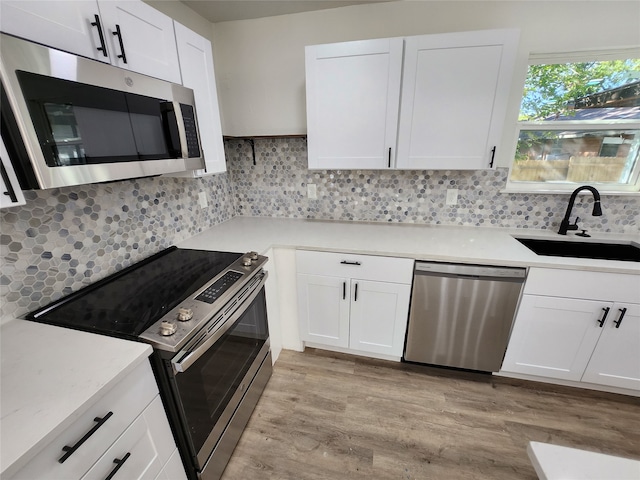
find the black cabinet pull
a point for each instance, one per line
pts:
(7, 183)
(75, 447)
(493, 156)
(119, 462)
(604, 316)
(103, 47)
(355, 297)
(389, 157)
(118, 34)
(619, 321)
(346, 262)
(344, 290)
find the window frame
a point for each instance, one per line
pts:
(633, 187)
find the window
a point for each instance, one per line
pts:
(579, 124)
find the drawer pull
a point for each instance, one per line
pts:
(619, 321)
(604, 316)
(346, 262)
(119, 462)
(69, 450)
(355, 297)
(344, 290)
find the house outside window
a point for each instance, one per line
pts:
(579, 123)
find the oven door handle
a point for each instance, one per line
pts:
(187, 357)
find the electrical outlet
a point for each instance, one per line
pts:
(452, 196)
(202, 199)
(312, 191)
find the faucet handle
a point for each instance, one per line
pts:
(574, 225)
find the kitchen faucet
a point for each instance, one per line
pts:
(597, 211)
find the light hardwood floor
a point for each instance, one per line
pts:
(325, 415)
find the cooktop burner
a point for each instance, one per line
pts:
(127, 303)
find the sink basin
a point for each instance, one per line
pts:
(601, 251)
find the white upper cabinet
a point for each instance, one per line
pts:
(65, 25)
(135, 35)
(442, 106)
(454, 99)
(353, 92)
(196, 67)
(10, 193)
(141, 39)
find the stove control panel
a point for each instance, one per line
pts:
(180, 324)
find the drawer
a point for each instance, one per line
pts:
(173, 469)
(610, 287)
(364, 267)
(127, 400)
(145, 447)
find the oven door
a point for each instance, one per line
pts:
(215, 375)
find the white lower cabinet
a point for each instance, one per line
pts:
(355, 302)
(578, 339)
(126, 432)
(616, 358)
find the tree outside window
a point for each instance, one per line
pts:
(579, 123)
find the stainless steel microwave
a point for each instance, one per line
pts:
(68, 120)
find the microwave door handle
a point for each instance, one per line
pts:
(186, 358)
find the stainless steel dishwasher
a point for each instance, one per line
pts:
(461, 315)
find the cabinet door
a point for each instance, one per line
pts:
(553, 337)
(616, 359)
(378, 316)
(196, 67)
(353, 93)
(454, 98)
(147, 37)
(141, 451)
(10, 193)
(65, 25)
(323, 309)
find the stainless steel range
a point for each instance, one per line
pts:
(205, 315)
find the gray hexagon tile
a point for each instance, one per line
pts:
(64, 239)
(276, 186)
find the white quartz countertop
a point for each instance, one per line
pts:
(553, 462)
(50, 376)
(478, 245)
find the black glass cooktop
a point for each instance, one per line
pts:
(128, 302)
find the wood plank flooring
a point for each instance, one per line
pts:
(326, 415)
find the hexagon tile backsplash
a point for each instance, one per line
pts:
(64, 239)
(277, 186)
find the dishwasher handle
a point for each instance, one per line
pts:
(471, 271)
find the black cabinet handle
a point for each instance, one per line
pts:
(75, 447)
(346, 262)
(355, 297)
(103, 47)
(344, 290)
(119, 462)
(389, 157)
(118, 34)
(619, 321)
(493, 156)
(7, 183)
(604, 316)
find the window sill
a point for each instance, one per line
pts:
(551, 191)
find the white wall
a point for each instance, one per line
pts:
(260, 63)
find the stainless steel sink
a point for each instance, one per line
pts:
(626, 252)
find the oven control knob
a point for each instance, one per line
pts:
(167, 329)
(185, 314)
(253, 255)
(246, 261)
